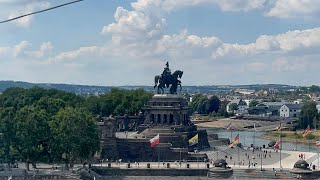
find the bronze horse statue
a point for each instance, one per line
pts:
(173, 80)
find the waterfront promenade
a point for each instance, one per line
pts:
(287, 162)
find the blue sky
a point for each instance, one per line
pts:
(118, 42)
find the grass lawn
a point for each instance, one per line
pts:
(293, 135)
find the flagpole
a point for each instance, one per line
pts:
(309, 145)
(254, 134)
(180, 158)
(230, 135)
(280, 143)
(198, 151)
(238, 155)
(158, 157)
(318, 160)
(254, 137)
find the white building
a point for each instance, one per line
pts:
(242, 106)
(318, 108)
(290, 110)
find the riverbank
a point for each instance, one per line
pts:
(240, 124)
(292, 136)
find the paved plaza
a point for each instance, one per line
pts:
(271, 160)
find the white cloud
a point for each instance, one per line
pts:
(225, 5)
(283, 43)
(288, 64)
(44, 49)
(295, 8)
(139, 46)
(257, 67)
(14, 9)
(19, 48)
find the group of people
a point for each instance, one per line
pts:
(302, 156)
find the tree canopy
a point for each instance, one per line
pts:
(253, 103)
(39, 125)
(204, 105)
(307, 115)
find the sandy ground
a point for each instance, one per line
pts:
(240, 124)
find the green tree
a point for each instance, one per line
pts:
(76, 135)
(199, 103)
(50, 105)
(307, 114)
(253, 103)
(32, 134)
(314, 89)
(118, 102)
(212, 104)
(7, 131)
(223, 109)
(233, 107)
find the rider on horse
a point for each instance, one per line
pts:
(166, 73)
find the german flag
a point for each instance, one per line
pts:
(235, 141)
(306, 131)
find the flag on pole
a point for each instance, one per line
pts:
(235, 141)
(154, 141)
(306, 131)
(254, 127)
(277, 144)
(318, 143)
(229, 127)
(279, 127)
(194, 140)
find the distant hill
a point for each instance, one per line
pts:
(87, 89)
(78, 89)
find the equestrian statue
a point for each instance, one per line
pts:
(166, 79)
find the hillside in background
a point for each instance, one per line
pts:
(87, 89)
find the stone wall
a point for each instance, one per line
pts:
(149, 172)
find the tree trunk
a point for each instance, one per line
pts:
(34, 165)
(66, 165)
(27, 166)
(7, 156)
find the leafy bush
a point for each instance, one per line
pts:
(310, 136)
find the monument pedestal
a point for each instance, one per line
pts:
(169, 116)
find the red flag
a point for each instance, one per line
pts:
(229, 127)
(155, 140)
(306, 131)
(277, 145)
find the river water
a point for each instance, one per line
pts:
(248, 138)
